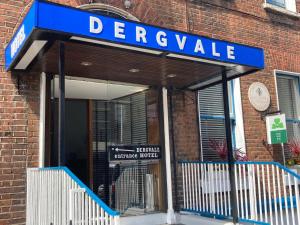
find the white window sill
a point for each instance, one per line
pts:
(274, 8)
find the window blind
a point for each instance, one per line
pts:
(288, 91)
(139, 121)
(212, 119)
(210, 101)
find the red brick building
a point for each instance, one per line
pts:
(254, 23)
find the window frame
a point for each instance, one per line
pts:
(296, 85)
(277, 3)
(289, 5)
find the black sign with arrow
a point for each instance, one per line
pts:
(134, 152)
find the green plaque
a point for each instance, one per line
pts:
(278, 136)
(276, 129)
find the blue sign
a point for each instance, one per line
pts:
(20, 37)
(75, 22)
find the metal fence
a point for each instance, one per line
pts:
(55, 196)
(130, 187)
(267, 192)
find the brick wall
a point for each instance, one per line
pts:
(186, 138)
(237, 20)
(298, 5)
(18, 123)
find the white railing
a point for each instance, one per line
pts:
(267, 192)
(55, 196)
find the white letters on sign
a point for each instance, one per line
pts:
(199, 47)
(141, 34)
(230, 52)
(214, 50)
(96, 25)
(18, 41)
(180, 41)
(160, 38)
(119, 30)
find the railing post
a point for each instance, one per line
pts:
(233, 197)
(252, 195)
(71, 202)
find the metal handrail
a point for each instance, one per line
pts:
(55, 195)
(267, 192)
(246, 163)
(86, 188)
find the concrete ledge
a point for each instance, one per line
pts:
(190, 219)
(181, 219)
(149, 219)
(277, 9)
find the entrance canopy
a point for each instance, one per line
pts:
(107, 48)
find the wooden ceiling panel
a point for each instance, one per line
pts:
(113, 64)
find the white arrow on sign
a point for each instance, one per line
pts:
(124, 150)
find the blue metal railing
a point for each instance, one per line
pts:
(56, 196)
(267, 192)
(87, 189)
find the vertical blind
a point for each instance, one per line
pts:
(212, 120)
(288, 96)
(122, 121)
(138, 117)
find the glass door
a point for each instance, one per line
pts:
(129, 186)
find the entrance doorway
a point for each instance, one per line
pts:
(100, 117)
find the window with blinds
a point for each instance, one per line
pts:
(121, 121)
(288, 97)
(212, 120)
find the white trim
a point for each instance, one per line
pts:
(171, 218)
(287, 72)
(42, 119)
(239, 128)
(278, 108)
(30, 54)
(276, 89)
(173, 55)
(291, 74)
(289, 10)
(200, 128)
(206, 83)
(108, 8)
(291, 5)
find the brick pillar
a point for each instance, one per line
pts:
(19, 124)
(186, 136)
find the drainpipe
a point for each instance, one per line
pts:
(230, 153)
(171, 219)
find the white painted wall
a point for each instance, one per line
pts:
(82, 88)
